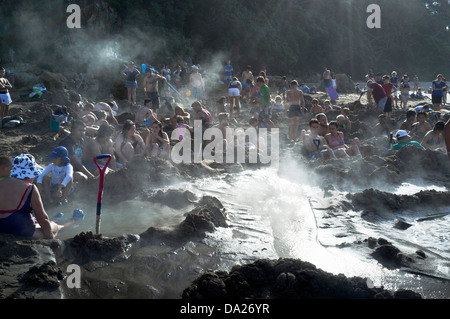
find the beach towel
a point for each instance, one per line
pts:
(332, 93)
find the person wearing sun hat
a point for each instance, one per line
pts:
(20, 200)
(60, 182)
(403, 139)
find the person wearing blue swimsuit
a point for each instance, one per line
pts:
(20, 200)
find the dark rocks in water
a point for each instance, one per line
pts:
(373, 200)
(172, 198)
(283, 279)
(400, 224)
(388, 255)
(208, 214)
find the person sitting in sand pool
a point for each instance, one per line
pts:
(316, 108)
(181, 130)
(403, 139)
(20, 200)
(157, 142)
(145, 115)
(316, 145)
(342, 122)
(434, 139)
(383, 128)
(220, 106)
(345, 111)
(5, 166)
(324, 126)
(335, 140)
(101, 115)
(61, 180)
(421, 127)
(410, 120)
(91, 128)
(105, 107)
(128, 143)
(74, 143)
(101, 144)
(202, 114)
(278, 104)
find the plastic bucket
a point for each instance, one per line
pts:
(54, 125)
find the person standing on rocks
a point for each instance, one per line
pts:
(326, 79)
(296, 102)
(131, 74)
(196, 84)
(150, 84)
(437, 94)
(5, 98)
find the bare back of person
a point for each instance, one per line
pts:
(295, 97)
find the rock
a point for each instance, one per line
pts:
(53, 81)
(283, 278)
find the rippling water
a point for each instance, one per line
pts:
(271, 217)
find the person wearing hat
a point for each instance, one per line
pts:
(61, 179)
(403, 139)
(20, 200)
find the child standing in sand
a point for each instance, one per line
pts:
(60, 183)
(5, 98)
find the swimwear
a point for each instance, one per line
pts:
(294, 111)
(335, 143)
(21, 221)
(432, 142)
(5, 98)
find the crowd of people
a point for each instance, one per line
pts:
(94, 129)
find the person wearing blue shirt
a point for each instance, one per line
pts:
(439, 86)
(228, 72)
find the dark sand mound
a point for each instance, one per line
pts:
(284, 279)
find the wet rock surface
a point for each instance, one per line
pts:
(285, 279)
